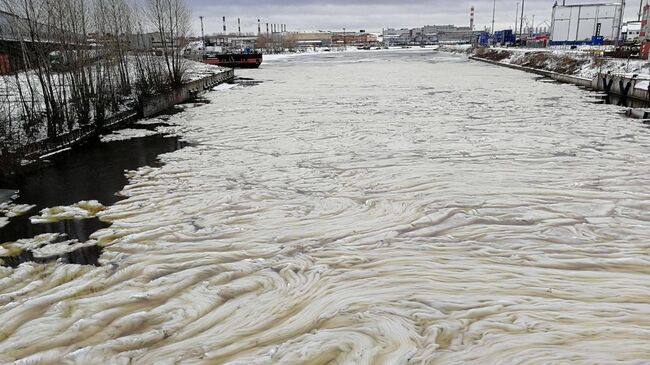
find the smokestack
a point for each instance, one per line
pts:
(267, 29)
(259, 27)
(239, 26)
(224, 25)
(471, 18)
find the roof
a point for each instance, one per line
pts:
(582, 5)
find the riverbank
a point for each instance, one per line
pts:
(443, 212)
(28, 156)
(584, 64)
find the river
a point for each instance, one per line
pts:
(379, 207)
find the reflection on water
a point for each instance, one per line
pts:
(398, 207)
(92, 171)
(617, 100)
(87, 255)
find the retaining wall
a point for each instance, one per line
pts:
(623, 85)
(159, 103)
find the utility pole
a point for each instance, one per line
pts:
(515, 28)
(521, 22)
(494, 8)
(345, 46)
(640, 9)
(532, 26)
(620, 24)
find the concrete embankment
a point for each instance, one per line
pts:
(580, 81)
(578, 68)
(158, 103)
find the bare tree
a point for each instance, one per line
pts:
(79, 62)
(172, 20)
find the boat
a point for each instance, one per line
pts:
(233, 59)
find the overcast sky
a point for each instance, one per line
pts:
(371, 15)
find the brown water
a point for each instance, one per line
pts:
(399, 207)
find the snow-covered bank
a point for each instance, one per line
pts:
(16, 132)
(198, 70)
(28, 148)
(581, 63)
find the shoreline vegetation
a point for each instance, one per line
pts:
(579, 63)
(80, 67)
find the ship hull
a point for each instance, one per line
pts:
(234, 60)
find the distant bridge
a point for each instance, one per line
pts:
(15, 36)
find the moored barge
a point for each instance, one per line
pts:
(234, 60)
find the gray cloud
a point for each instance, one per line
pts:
(371, 15)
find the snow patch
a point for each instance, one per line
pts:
(198, 70)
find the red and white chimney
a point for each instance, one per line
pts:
(471, 18)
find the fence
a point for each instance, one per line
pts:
(11, 160)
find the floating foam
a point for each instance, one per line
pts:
(224, 87)
(126, 134)
(16, 210)
(81, 210)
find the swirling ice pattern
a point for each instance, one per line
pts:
(415, 209)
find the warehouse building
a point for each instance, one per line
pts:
(586, 23)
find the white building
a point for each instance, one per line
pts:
(631, 31)
(572, 24)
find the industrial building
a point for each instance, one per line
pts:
(430, 34)
(586, 23)
(397, 37)
(310, 39)
(631, 32)
(451, 33)
(360, 38)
